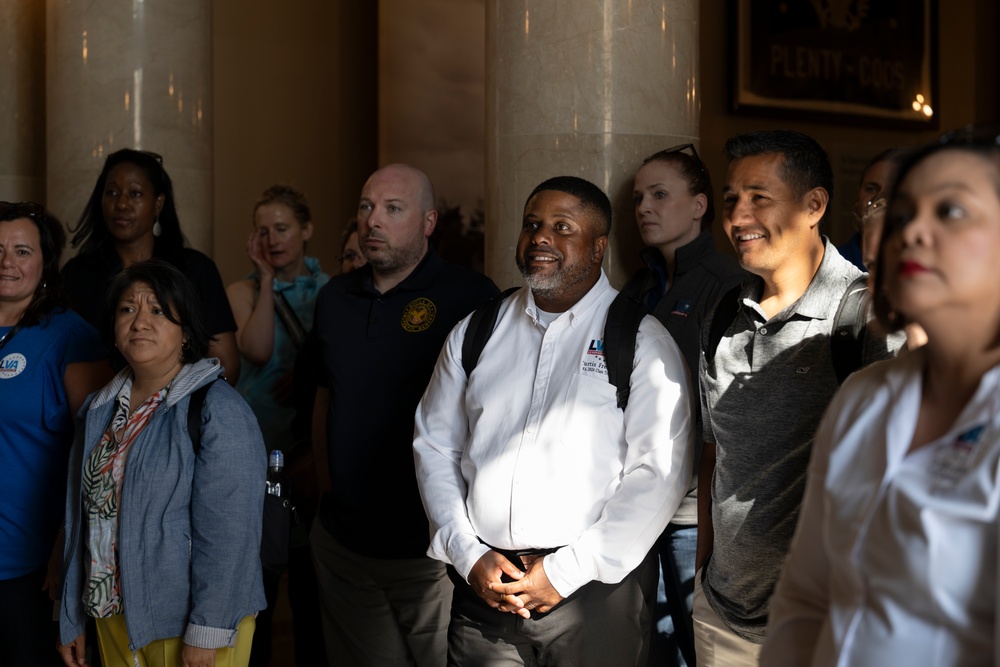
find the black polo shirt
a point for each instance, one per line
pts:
(377, 353)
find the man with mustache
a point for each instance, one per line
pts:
(765, 384)
(544, 496)
(379, 330)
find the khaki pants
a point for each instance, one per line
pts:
(715, 645)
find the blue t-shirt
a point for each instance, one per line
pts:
(36, 435)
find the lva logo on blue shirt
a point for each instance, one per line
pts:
(12, 365)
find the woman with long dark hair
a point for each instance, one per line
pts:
(131, 216)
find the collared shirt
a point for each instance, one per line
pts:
(763, 395)
(701, 276)
(894, 561)
(103, 475)
(377, 352)
(531, 451)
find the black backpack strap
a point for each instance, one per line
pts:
(849, 325)
(620, 330)
(480, 328)
(725, 313)
(195, 405)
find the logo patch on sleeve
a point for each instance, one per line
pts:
(418, 315)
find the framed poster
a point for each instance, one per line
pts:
(871, 61)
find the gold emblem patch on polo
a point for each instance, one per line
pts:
(418, 314)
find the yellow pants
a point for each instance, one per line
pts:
(112, 637)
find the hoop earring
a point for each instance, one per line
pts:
(157, 227)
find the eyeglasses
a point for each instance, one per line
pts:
(679, 148)
(21, 209)
(873, 209)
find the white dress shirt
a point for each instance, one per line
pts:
(532, 451)
(894, 561)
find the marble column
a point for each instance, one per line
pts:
(130, 74)
(22, 104)
(585, 88)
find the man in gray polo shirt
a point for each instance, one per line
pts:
(766, 386)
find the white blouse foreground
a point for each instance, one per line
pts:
(894, 560)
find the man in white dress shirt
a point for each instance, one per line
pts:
(543, 496)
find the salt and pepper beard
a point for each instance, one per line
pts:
(559, 282)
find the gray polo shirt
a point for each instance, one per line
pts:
(763, 395)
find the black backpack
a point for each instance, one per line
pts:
(278, 512)
(624, 316)
(849, 326)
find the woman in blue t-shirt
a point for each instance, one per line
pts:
(50, 359)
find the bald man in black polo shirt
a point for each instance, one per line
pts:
(380, 330)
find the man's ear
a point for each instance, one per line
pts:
(430, 222)
(600, 245)
(816, 201)
(307, 231)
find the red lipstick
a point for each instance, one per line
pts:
(911, 268)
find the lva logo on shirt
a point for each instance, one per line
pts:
(12, 365)
(593, 361)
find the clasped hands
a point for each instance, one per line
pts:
(530, 590)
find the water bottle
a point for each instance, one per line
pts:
(276, 485)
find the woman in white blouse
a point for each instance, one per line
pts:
(895, 558)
